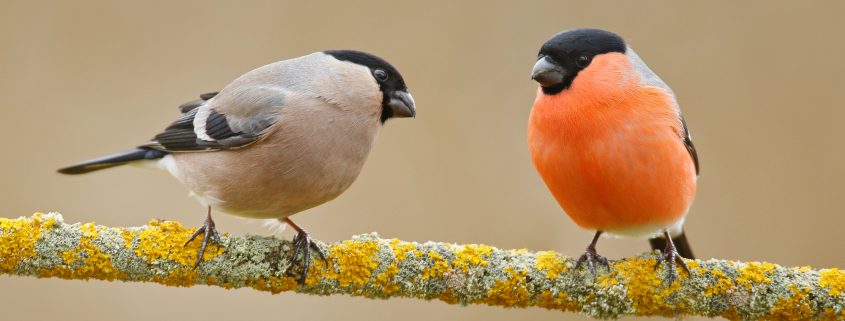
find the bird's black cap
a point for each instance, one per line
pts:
(572, 51)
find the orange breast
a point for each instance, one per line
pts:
(613, 163)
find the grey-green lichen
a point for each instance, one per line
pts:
(43, 245)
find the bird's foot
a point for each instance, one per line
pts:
(302, 246)
(592, 259)
(209, 234)
(670, 256)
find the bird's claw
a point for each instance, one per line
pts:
(592, 258)
(302, 244)
(209, 234)
(671, 257)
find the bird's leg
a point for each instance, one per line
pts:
(670, 256)
(302, 243)
(209, 233)
(591, 257)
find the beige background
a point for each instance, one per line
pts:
(761, 86)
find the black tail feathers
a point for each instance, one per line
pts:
(681, 244)
(113, 160)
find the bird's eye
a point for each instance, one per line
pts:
(380, 74)
(582, 61)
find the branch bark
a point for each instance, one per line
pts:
(43, 245)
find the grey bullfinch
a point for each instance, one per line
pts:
(277, 140)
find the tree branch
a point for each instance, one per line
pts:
(44, 246)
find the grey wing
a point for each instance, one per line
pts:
(649, 78)
(652, 80)
(230, 120)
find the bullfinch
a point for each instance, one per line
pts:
(607, 136)
(277, 140)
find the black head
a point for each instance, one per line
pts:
(396, 101)
(567, 53)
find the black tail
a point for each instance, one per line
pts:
(681, 244)
(113, 160)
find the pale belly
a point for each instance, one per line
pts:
(277, 177)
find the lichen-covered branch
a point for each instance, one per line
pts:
(43, 245)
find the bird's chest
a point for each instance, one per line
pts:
(578, 147)
(615, 166)
(295, 168)
(601, 144)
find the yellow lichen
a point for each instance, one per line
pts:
(646, 290)
(795, 307)
(472, 255)
(400, 253)
(401, 249)
(755, 273)
(560, 301)
(694, 267)
(127, 236)
(355, 261)
(731, 314)
(274, 284)
(510, 292)
(316, 271)
(18, 238)
(439, 267)
(448, 297)
(385, 279)
(353, 264)
(832, 314)
(607, 280)
(165, 240)
(87, 260)
(184, 276)
(834, 280)
(552, 263)
(69, 256)
(89, 229)
(722, 285)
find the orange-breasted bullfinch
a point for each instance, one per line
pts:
(277, 140)
(607, 136)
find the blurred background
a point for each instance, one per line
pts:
(760, 84)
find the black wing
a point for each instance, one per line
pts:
(180, 136)
(689, 145)
(219, 131)
(193, 104)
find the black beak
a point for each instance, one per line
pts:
(402, 104)
(547, 73)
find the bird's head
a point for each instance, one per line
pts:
(598, 56)
(396, 100)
